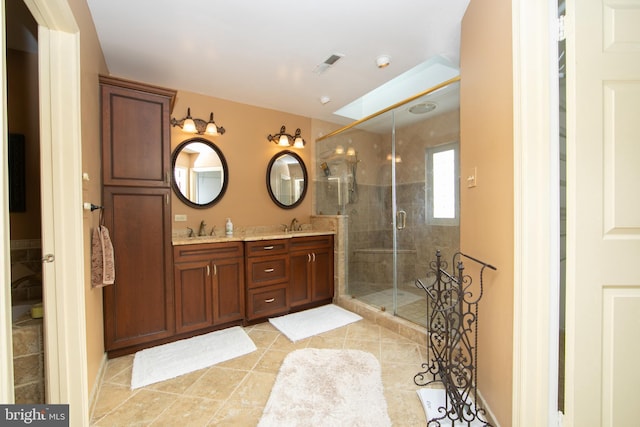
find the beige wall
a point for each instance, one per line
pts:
(487, 210)
(92, 63)
(247, 152)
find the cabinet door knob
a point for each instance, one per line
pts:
(208, 271)
(308, 257)
(314, 256)
(269, 300)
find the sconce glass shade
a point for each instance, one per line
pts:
(189, 126)
(351, 151)
(298, 143)
(211, 129)
(283, 141)
(339, 149)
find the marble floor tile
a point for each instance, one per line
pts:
(234, 393)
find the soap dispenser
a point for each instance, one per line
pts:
(228, 228)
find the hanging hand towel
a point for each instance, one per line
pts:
(102, 265)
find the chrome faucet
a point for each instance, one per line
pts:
(294, 222)
(203, 229)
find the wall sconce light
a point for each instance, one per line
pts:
(190, 125)
(283, 139)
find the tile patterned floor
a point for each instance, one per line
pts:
(235, 392)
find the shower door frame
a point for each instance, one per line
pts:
(394, 201)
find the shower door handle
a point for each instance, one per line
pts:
(401, 220)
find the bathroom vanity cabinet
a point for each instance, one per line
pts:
(136, 146)
(311, 270)
(267, 273)
(288, 275)
(209, 285)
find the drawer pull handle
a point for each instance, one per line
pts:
(269, 270)
(269, 300)
(267, 248)
(308, 257)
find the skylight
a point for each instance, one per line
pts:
(421, 77)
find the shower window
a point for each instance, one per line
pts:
(442, 201)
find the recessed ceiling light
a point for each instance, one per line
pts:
(383, 61)
(422, 108)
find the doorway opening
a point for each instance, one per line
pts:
(24, 204)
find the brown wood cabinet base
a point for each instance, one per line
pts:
(288, 275)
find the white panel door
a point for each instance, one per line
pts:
(603, 212)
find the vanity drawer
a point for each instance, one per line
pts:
(265, 271)
(267, 247)
(311, 243)
(206, 251)
(267, 301)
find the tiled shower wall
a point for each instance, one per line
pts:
(368, 204)
(370, 235)
(26, 270)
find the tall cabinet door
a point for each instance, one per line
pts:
(136, 134)
(138, 307)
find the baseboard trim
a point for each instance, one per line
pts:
(491, 418)
(96, 384)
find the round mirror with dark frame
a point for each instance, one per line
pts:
(200, 173)
(287, 179)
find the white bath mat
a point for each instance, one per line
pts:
(181, 357)
(304, 324)
(434, 398)
(321, 387)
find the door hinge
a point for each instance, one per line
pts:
(561, 28)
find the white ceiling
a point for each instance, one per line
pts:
(264, 53)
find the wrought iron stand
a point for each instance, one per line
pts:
(452, 341)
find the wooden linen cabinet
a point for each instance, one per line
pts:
(136, 151)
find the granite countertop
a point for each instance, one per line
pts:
(249, 236)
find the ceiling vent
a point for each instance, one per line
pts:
(321, 68)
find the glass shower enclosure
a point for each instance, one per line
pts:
(395, 177)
